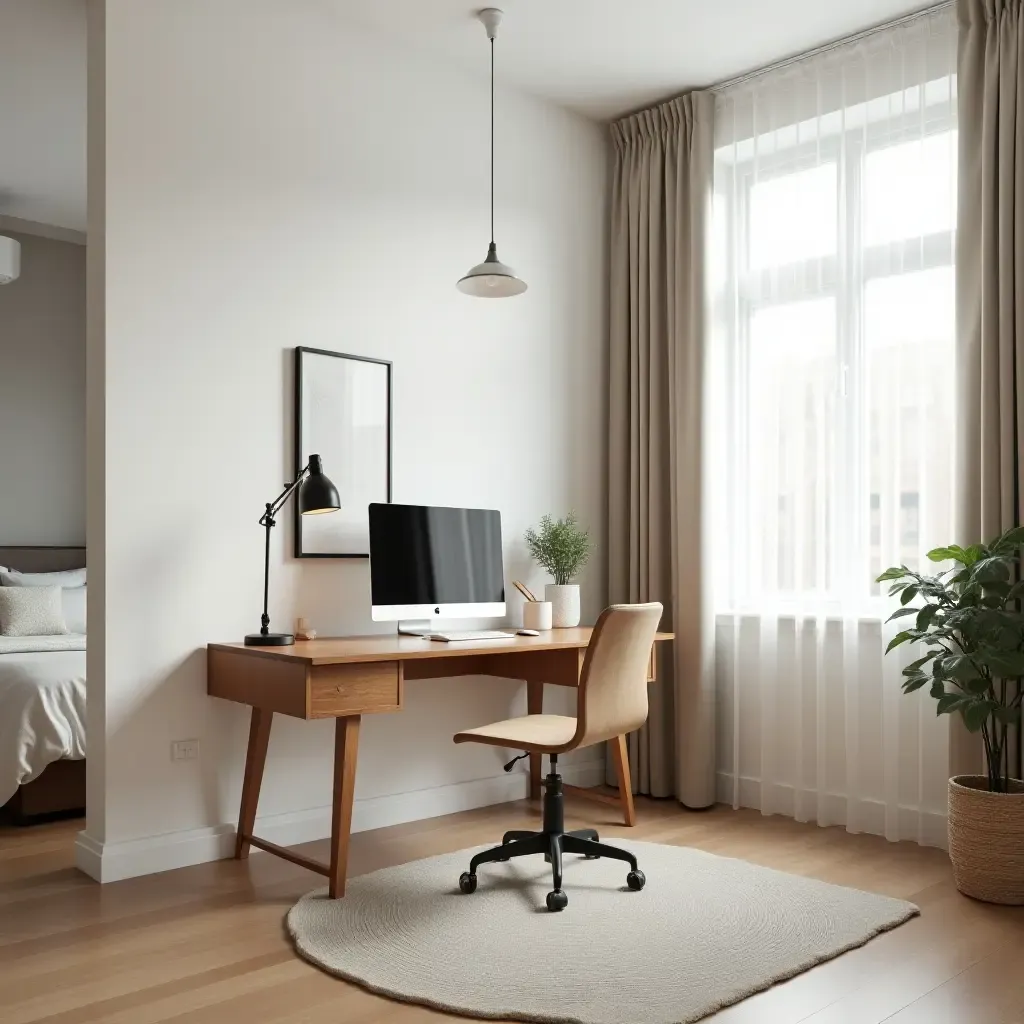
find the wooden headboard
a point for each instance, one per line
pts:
(42, 559)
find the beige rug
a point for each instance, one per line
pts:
(705, 932)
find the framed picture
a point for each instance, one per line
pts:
(342, 414)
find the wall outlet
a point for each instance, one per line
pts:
(185, 750)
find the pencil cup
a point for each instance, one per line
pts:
(537, 615)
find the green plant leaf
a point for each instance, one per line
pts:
(1005, 664)
(960, 667)
(899, 638)
(901, 612)
(977, 686)
(940, 555)
(915, 666)
(926, 615)
(989, 569)
(948, 703)
(1013, 538)
(909, 594)
(977, 714)
(893, 573)
(974, 552)
(915, 683)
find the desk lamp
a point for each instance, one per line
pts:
(316, 494)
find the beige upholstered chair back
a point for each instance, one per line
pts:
(613, 684)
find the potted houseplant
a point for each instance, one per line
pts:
(969, 621)
(562, 547)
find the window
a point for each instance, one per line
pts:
(833, 285)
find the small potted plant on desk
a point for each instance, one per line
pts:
(562, 547)
(972, 626)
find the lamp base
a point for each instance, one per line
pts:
(269, 639)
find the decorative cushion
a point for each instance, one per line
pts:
(31, 611)
(72, 601)
(67, 578)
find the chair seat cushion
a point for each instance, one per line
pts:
(539, 733)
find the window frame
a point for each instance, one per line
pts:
(844, 277)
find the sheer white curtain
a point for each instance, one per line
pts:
(834, 221)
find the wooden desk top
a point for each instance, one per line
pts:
(349, 650)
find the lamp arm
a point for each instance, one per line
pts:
(275, 505)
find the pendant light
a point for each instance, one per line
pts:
(491, 279)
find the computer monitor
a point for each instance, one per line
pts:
(429, 562)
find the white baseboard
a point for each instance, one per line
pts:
(111, 862)
(925, 827)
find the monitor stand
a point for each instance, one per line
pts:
(415, 627)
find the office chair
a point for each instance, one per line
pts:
(611, 700)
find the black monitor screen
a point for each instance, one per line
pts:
(424, 555)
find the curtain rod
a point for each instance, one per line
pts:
(856, 37)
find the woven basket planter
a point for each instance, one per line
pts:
(986, 839)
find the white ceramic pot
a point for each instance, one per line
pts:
(565, 604)
(537, 615)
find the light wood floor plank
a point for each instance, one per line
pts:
(205, 945)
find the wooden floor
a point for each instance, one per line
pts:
(205, 945)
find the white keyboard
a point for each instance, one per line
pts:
(484, 634)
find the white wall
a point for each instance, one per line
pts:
(42, 395)
(276, 177)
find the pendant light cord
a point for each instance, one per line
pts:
(492, 140)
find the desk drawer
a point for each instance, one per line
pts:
(354, 689)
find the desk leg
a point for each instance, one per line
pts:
(535, 706)
(346, 750)
(255, 759)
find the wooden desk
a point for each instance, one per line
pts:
(348, 677)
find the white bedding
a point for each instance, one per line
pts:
(42, 707)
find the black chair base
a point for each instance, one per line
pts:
(553, 841)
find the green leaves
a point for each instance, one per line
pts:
(899, 638)
(977, 714)
(559, 545)
(895, 573)
(972, 626)
(901, 612)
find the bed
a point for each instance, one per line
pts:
(42, 706)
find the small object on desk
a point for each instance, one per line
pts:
(538, 615)
(524, 590)
(303, 631)
(483, 634)
(527, 632)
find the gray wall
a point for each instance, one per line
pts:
(42, 395)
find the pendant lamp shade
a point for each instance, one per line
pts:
(491, 279)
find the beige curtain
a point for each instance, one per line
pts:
(661, 202)
(990, 281)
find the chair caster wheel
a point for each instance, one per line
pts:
(636, 880)
(557, 900)
(467, 882)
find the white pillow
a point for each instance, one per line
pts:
(31, 611)
(72, 601)
(67, 578)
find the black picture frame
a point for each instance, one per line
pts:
(304, 358)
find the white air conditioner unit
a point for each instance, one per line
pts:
(10, 259)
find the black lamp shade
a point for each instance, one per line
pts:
(317, 493)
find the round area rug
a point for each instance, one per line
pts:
(705, 932)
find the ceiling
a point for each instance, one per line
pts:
(602, 58)
(606, 58)
(42, 111)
